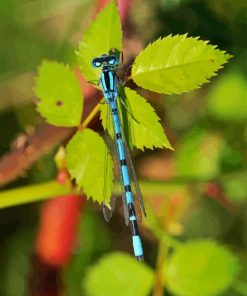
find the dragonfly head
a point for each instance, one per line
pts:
(106, 60)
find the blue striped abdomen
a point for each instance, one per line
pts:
(137, 245)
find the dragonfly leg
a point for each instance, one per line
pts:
(127, 109)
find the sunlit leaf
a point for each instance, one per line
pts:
(198, 154)
(86, 161)
(140, 123)
(119, 274)
(227, 99)
(59, 93)
(201, 268)
(102, 35)
(177, 64)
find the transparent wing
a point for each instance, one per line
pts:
(107, 208)
(120, 179)
(127, 109)
(133, 177)
(131, 168)
(117, 183)
(94, 82)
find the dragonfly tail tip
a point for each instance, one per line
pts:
(140, 258)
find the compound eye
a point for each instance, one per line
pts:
(96, 62)
(112, 60)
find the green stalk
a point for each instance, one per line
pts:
(159, 282)
(52, 189)
(32, 193)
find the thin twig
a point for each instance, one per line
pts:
(17, 161)
(159, 282)
(90, 117)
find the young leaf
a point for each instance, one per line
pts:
(86, 161)
(60, 94)
(119, 274)
(177, 64)
(201, 268)
(140, 123)
(102, 35)
(227, 100)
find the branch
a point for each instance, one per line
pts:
(51, 189)
(17, 161)
(46, 136)
(14, 164)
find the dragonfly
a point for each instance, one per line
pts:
(109, 82)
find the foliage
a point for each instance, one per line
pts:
(235, 187)
(207, 127)
(177, 64)
(199, 154)
(227, 99)
(102, 35)
(110, 277)
(85, 160)
(188, 63)
(60, 94)
(16, 259)
(93, 238)
(200, 268)
(187, 272)
(141, 123)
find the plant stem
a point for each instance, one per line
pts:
(51, 189)
(159, 282)
(31, 193)
(42, 191)
(128, 79)
(90, 117)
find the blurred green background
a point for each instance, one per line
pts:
(205, 178)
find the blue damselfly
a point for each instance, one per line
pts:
(109, 83)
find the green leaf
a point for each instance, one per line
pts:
(201, 268)
(177, 64)
(145, 130)
(60, 94)
(227, 99)
(198, 154)
(102, 35)
(86, 161)
(235, 187)
(119, 274)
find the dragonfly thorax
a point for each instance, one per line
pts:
(108, 81)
